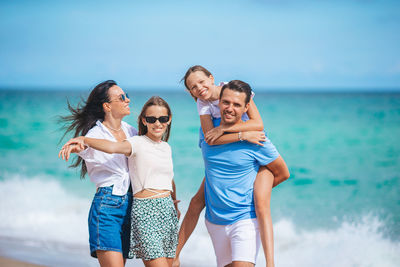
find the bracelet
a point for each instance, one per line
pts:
(86, 145)
(240, 136)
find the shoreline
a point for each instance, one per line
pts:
(16, 252)
(9, 262)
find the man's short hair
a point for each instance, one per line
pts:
(238, 86)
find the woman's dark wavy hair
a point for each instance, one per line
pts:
(85, 115)
(154, 101)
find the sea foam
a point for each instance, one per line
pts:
(39, 209)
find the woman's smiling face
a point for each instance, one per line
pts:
(119, 107)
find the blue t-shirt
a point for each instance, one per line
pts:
(230, 173)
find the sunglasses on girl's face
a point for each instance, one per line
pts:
(162, 119)
(122, 97)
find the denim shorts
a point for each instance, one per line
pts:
(109, 222)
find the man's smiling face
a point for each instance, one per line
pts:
(232, 105)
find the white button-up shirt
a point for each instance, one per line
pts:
(108, 169)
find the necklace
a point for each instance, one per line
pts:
(116, 130)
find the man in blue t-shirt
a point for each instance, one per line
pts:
(231, 170)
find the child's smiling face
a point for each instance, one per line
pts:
(155, 130)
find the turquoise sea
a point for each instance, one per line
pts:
(341, 206)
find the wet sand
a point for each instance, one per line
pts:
(7, 262)
(29, 253)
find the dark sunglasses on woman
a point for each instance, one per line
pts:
(162, 119)
(122, 97)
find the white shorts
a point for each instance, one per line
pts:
(235, 242)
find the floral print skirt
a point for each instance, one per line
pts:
(154, 228)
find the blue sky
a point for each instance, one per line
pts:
(150, 44)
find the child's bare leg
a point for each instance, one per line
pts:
(189, 222)
(262, 198)
(279, 170)
(159, 262)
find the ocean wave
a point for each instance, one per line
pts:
(351, 244)
(40, 211)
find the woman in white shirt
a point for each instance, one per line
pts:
(154, 231)
(109, 221)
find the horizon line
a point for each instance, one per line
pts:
(274, 89)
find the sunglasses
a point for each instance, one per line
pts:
(162, 119)
(122, 97)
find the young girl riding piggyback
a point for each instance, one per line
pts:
(154, 229)
(200, 84)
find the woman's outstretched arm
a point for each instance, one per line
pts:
(123, 147)
(103, 145)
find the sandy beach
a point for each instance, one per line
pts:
(7, 262)
(17, 252)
